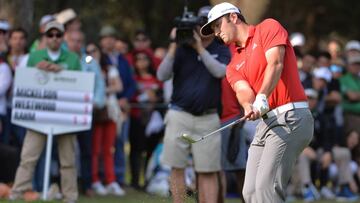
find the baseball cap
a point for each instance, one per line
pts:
(107, 30)
(65, 16)
(215, 13)
(352, 45)
(297, 39)
(354, 59)
(204, 11)
(4, 25)
(46, 19)
(323, 73)
(309, 92)
(54, 25)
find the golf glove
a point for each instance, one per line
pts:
(261, 104)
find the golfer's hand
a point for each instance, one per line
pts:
(250, 112)
(261, 104)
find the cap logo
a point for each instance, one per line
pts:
(229, 9)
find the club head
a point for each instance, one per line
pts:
(187, 138)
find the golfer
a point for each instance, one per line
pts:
(263, 74)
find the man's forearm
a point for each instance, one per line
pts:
(215, 67)
(271, 79)
(244, 94)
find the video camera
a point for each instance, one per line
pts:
(185, 25)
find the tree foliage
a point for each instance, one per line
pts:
(317, 19)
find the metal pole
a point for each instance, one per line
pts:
(49, 144)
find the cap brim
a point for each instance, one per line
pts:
(206, 29)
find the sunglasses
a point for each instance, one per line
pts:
(51, 35)
(3, 32)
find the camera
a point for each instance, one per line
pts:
(185, 25)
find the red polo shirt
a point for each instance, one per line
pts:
(249, 63)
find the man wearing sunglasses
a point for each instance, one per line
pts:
(263, 73)
(52, 59)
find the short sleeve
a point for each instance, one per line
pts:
(272, 34)
(233, 75)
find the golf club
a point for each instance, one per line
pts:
(190, 140)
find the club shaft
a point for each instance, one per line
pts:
(224, 127)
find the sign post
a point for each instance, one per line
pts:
(52, 104)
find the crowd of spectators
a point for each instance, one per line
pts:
(131, 109)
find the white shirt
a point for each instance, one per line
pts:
(5, 83)
(54, 55)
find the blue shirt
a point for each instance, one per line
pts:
(99, 89)
(195, 90)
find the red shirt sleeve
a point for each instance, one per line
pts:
(272, 34)
(233, 75)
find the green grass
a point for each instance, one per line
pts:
(133, 196)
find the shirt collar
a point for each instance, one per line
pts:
(251, 33)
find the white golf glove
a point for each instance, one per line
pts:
(261, 104)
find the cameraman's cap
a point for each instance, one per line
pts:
(215, 13)
(54, 25)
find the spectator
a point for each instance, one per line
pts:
(5, 84)
(197, 69)
(334, 49)
(148, 94)
(17, 55)
(121, 46)
(329, 98)
(75, 43)
(51, 59)
(4, 29)
(309, 156)
(40, 43)
(107, 42)
(352, 48)
(350, 90)
(305, 71)
(105, 130)
(142, 42)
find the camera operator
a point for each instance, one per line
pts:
(197, 66)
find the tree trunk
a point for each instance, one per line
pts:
(253, 11)
(19, 13)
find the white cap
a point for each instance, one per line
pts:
(323, 73)
(65, 16)
(352, 45)
(46, 19)
(4, 25)
(215, 13)
(297, 39)
(54, 25)
(309, 92)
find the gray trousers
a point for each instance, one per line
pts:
(277, 143)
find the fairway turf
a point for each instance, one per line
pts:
(133, 196)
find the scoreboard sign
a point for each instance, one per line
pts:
(60, 102)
